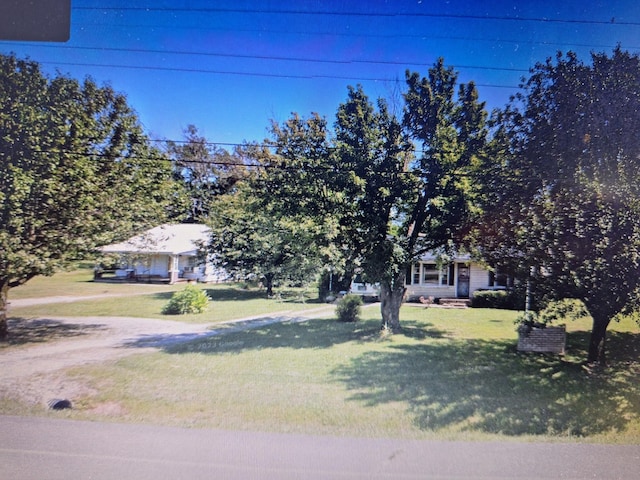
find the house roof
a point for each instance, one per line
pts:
(433, 257)
(171, 239)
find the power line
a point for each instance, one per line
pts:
(333, 13)
(220, 72)
(272, 57)
(394, 35)
(332, 169)
(250, 74)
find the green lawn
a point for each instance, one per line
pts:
(78, 283)
(451, 374)
(228, 301)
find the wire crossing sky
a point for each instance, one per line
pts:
(229, 67)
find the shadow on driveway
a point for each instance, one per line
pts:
(24, 331)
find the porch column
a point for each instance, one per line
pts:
(174, 270)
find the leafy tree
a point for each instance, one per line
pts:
(205, 170)
(373, 156)
(76, 171)
(567, 208)
(251, 242)
(389, 207)
(410, 206)
(297, 180)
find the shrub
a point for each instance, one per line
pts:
(567, 309)
(189, 300)
(495, 299)
(348, 309)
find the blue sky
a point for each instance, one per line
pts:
(229, 67)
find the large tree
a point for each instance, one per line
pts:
(373, 155)
(567, 208)
(251, 242)
(206, 171)
(390, 207)
(76, 171)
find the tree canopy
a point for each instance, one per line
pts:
(567, 206)
(205, 170)
(389, 205)
(252, 243)
(76, 171)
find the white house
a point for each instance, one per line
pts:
(166, 253)
(458, 277)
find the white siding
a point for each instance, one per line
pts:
(479, 278)
(416, 291)
(156, 265)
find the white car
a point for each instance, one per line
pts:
(369, 291)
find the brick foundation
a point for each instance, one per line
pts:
(549, 339)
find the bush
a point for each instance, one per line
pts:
(567, 309)
(348, 309)
(496, 299)
(189, 300)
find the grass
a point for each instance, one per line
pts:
(80, 283)
(229, 301)
(451, 374)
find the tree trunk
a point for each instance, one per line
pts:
(597, 343)
(268, 284)
(391, 297)
(4, 306)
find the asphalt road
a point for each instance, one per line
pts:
(45, 448)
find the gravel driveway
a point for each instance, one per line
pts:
(34, 371)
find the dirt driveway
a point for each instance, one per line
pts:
(34, 371)
(33, 367)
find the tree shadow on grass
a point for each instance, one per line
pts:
(305, 334)
(229, 294)
(463, 385)
(26, 331)
(235, 294)
(486, 386)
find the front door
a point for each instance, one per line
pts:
(463, 281)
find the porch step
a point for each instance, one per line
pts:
(454, 302)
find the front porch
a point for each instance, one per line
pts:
(440, 302)
(130, 276)
(450, 283)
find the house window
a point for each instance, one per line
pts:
(497, 279)
(430, 274)
(444, 275)
(416, 273)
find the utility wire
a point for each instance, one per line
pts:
(295, 59)
(272, 57)
(333, 13)
(266, 166)
(219, 72)
(397, 35)
(251, 74)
